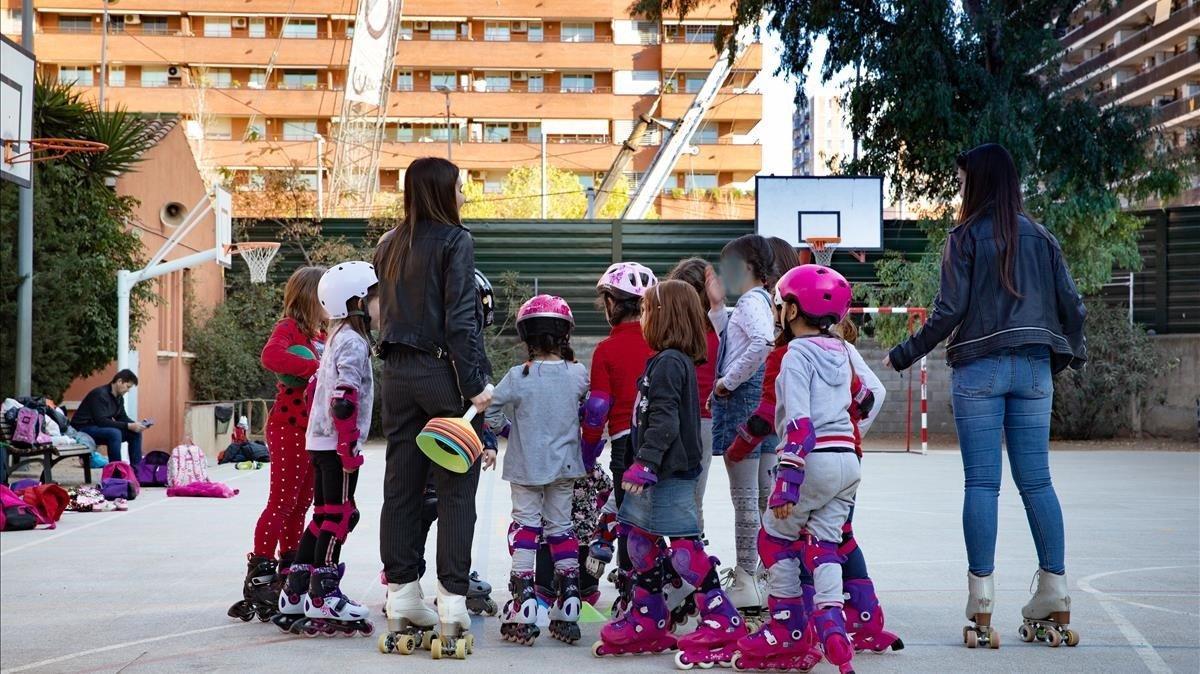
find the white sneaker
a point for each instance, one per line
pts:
(743, 590)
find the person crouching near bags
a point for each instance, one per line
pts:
(291, 353)
(541, 398)
(312, 601)
(660, 493)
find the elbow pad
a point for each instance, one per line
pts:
(798, 441)
(344, 408)
(595, 415)
(862, 397)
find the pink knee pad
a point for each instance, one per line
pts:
(773, 549)
(848, 544)
(817, 553)
(563, 546)
(690, 560)
(522, 537)
(645, 549)
(337, 519)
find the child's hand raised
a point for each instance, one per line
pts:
(488, 459)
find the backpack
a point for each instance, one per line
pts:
(27, 428)
(15, 514)
(114, 488)
(188, 464)
(120, 470)
(152, 471)
(48, 500)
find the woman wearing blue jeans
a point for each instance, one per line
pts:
(1014, 318)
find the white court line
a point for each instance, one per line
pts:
(1141, 646)
(113, 647)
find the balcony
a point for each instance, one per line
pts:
(1120, 15)
(177, 49)
(727, 107)
(225, 101)
(1161, 78)
(522, 55)
(567, 9)
(1179, 112)
(701, 56)
(1135, 47)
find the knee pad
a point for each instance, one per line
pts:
(645, 549)
(773, 549)
(819, 553)
(314, 527)
(563, 546)
(690, 561)
(848, 544)
(860, 598)
(337, 520)
(354, 515)
(523, 537)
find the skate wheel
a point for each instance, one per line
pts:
(993, 638)
(367, 629)
(435, 649)
(736, 662)
(1071, 638)
(598, 649)
(470, 639)
(427, 639)
(972, 639)
(1025, 633)
(705, 665)
(1054, 637)
(264, 617)
(460, 649)
(681, 661)
(384, 644)
(406, 645)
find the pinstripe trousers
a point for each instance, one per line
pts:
(416, 388)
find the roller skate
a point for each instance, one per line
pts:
(411, 624)
(780, 644)
(564, 613)
(714, 640)
(830, 624)
(643, 628)
(328, 612)
(681, 597)
(981, 595)
(624, 584)
(864, 618)
(260, 593)
(1047, 616)
(454, 637)
(520, 613)
(743, 590)
(479, 597)
(291, 599)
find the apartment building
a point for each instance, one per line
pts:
(261, 81)
(821, 137)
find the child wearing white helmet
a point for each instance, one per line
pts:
(337, 426)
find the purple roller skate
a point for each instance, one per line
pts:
(864, 618)
(643, 629)
(779, 645)
(831, 630)
(715, 640)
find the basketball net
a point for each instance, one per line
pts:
(822, 248)
(258, 258)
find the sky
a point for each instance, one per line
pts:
(775, 129)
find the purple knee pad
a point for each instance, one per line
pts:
(645, 549)
(563, 546)
(860, 598)
(818, 553)
(690, 561)
(522, 537)
(773, 549)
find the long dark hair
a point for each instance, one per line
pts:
(755, 251)
(786, 257)
(429, 196)
(694, 272)
(992, 185)
(545, 343)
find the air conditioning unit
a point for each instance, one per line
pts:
(133, 19)
(176, 72)
(239, 22)
(520, 76)
(421, 25)
(520, 27)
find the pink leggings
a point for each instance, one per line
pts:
(282, 521)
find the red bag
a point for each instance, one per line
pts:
(48, 500)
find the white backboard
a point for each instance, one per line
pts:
(16, 108)
(797, 207)
(223, 210)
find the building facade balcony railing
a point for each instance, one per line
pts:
(1171, 111)
(1094, 65)
(1163, 71)
(1096, 23)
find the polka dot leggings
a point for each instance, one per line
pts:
(282, 521)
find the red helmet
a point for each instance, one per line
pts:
(820, 292)
(545, 314)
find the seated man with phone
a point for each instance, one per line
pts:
(102, 416)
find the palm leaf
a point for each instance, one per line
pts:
(126, 135)
(58, 110)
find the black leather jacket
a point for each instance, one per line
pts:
(433, 306)
(980, 316)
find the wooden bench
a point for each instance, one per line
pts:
(47, 454)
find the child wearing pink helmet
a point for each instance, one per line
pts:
(541, 398)
(817, 475)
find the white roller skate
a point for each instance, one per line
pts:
(981, 596)
(1047, 616)
(291, 599)
(744, 593)
(328, 612)
(411, 623)
(454, 638)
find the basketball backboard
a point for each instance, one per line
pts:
(16, 109)
(795, 208)
(223, 209)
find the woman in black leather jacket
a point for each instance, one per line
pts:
(1014, 317)
(431, 337)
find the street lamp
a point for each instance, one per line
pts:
(320, 174)
(104, 50)
(449, 147)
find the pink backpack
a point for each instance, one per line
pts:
(16, 514)
(121, 470)
(28, 427)
(188, 464)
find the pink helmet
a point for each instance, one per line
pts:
(820, 292)
(629, 278)
(545, 314)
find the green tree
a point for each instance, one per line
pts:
(81, 240)
(521, 197)
(228, 339)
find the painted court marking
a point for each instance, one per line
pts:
(1140, 644)
(113, 647)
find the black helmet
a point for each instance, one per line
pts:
(486, 297)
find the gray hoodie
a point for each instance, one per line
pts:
(814, 382)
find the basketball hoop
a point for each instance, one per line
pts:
(46, 149)
(258, 256)
(822, 248)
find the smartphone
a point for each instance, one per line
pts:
(147, 422)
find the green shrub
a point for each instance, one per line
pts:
(228, 340)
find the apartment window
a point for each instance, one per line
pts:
(299, 129)
(258, 26)
(705, 34)
(154, 25)
(587, 180)
(306, 178)
(258, 79)
(578, 83)
(349, 30)
(647, 32)
(300, 28)
(533, 132)
(219, 78)
(497, 133)
(217, 26)
(404, 80)
(634, 180)
(116, 23)
(497, 81)
(706, 134)
(255, 131)
(578, 32)
(10, 21)
(535, 33)
(537, 84)
(693, 81)
(700, 181)
(443, 79)
(493, 184)
(442, 133)
(299, 79)
(496, 31)
(74, 24)
(154, 76)
(442, 30)
(116, 76)
(406, 30)
(219, 128)
(404, 133)
(80, 75)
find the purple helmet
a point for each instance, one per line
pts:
(820, 292)
(627, 278)
(548, 314)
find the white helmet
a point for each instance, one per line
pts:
(342, 282)
(628, 278)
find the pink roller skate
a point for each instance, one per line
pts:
(779, 645)
(811, 646)
(715, 639)
(864, 618)
(642, 630)
(831, 630)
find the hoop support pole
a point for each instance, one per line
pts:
(915, 315)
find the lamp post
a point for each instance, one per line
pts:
(320, 174)
(449, 146)
(104, 50)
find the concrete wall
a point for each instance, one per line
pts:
(1178, 415)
